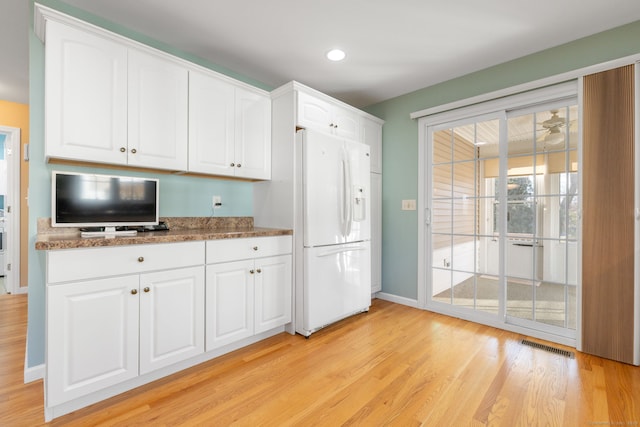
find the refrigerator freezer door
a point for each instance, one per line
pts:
(337, 284)
(325, 173)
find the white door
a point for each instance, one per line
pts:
(229, 303)
(371, 134)
(272, 292)
(92, 336)
(314, 113)
(158, 105)
(253, 135)
(171, 317)
(325, 175)
(211, 125)
(346, 123)
(337, 283)
(86, 96)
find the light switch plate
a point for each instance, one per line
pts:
(409, 205)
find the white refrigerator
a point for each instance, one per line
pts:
(336, 248)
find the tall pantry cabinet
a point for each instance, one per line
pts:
(296, 106)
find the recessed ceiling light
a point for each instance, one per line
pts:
(336, 55)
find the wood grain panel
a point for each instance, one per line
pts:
(608, 221)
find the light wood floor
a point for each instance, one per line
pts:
(392, 366)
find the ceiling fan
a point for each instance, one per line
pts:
(553, 126)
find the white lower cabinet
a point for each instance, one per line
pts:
(118, 317)
(105, 331)
(171, 317)
(248, 296)
(92, 337)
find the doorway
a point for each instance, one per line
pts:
(10, 211)
(501, 229)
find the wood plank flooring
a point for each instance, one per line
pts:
(394, 366)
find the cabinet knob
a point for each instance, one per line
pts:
(140, 259)
(238, 165)
(255, 248)
(122, 149)
(232, 164)
(134, 291)
(331, 125)
(146, 289)
(251, 271)
(134, 151)
(259, 270)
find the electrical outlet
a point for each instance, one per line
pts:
(217, 202)
(409, 205)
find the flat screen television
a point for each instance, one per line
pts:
(104, 201)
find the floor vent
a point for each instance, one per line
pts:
(548, 348)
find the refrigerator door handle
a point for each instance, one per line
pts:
(349, 196)
(330, 252)
(344, 200)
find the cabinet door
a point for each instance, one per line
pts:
(346, 123)
(371, 135)
(92, 336)
(86, 96)
(314, 113)
(229, 303)
(253, 135)
(273, 292)
(171, 317)
(211, 125)
(376, 232)
(158, 102)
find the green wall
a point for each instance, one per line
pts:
(400, 136)
(179, 195)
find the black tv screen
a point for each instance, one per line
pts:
(91, 200)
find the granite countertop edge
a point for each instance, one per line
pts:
(181, 230)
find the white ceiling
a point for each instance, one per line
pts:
(393, 47)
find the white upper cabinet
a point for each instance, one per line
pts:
(229, 129)
(327, 117)
(372, 136)
(112, 100)
(86, 96)
(253, 135)
(211, 125)
(158, 102)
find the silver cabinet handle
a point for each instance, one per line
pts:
(134, 151)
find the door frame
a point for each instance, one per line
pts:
(568, 89)
(12, 201)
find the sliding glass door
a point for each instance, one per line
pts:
(502, 203)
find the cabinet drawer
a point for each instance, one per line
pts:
(79, 264)
(254, 247)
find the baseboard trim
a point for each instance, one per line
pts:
(34, 373)
(397, 299)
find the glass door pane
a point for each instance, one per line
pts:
(542, 202)
(463, 276)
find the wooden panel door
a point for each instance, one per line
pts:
(608, 215)
(273, 291)
(229, 303)
(158, 109)
(171, 317)
(92, 336)
(253, 135)
(86, 96)
(211, 125)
